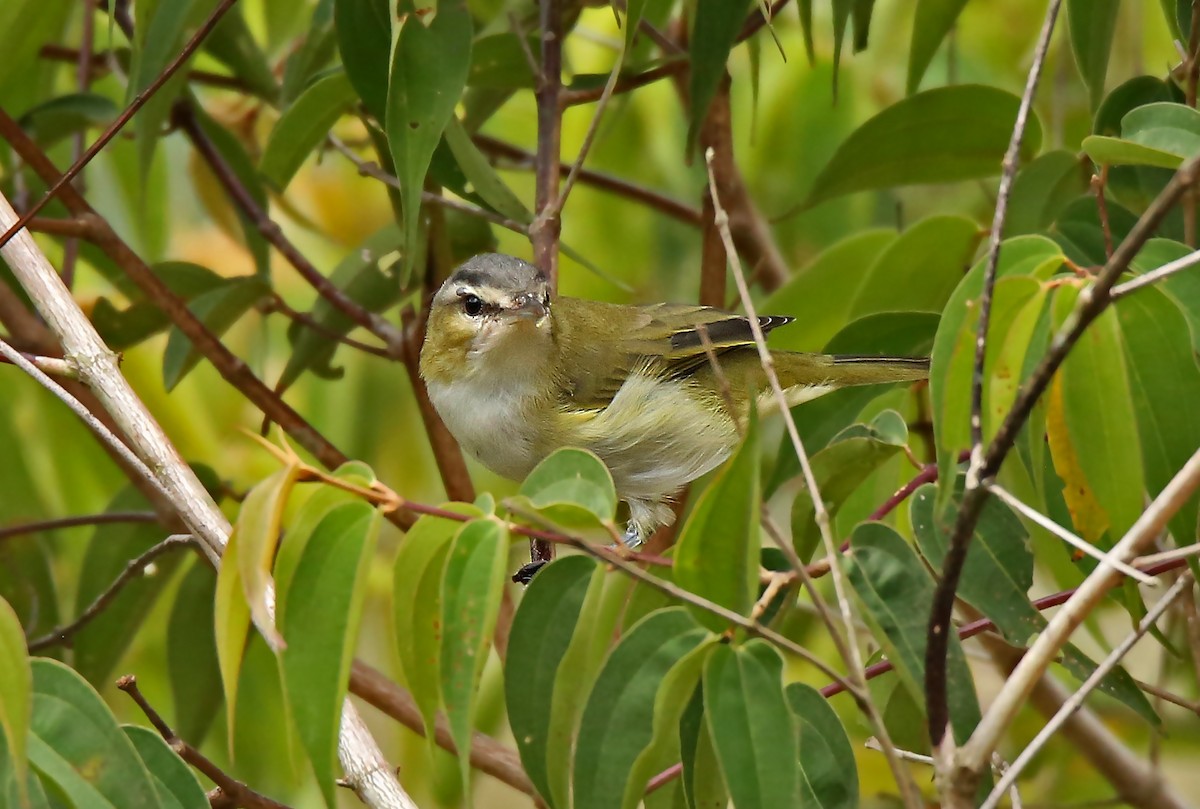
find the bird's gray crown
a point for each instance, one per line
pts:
(498, 271)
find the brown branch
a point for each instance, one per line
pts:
(231, 368)
(716, 133)
(278, 305)
(544, 232)
(232, 790)
(977, 475)
(520, 158)
(59, 523)
(83, 80)
(1098, 183)
(98, 65)
(116, 126)
(487, 755)
(135, 567)
(185, 119)
(982, 625)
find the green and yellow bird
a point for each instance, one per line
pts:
(516, 374)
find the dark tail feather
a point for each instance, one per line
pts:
(865, 370)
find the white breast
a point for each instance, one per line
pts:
(489, 421)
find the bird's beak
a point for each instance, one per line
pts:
(528, 307)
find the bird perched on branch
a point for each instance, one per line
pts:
(517, 374)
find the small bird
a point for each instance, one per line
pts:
(517, 374)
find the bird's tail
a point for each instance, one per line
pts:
(843, 370)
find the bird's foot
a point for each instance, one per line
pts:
(633, 538)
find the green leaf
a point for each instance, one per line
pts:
(142, 319)
(1183, 287)
(1136, 92)
(364, 36)
(919, 270)
(1160, 134)
(751, 725)
(820, 295)
(819, 421)
(303, 126)
(25, 25)
(498, 61)
(934, 20)
(1042, 190)
(100, 645)
(367, 276)
(162, 31)
(192, 665)
(572, 477)
(541, 633)
(177, 788)
(619, 722)
(428, 74)
(233, 44)
(257, 529)
(16, 684)
(76, 744)
(938, 136)
(316, 51)
(417, 604)
(483, 178)
(218, 309)
(1162, 373)
(1107, 151)
(320, 622)
(996, 578)
(231, 150)
(305, 521)
(242, 582)
(1092, 24)
(703, 784)
(472, 586)
(64, 115)
(896, 593)
(828, 775)
(953, 348)
(714, 32)
(717, 553)
(840, 469)
(1105, 439)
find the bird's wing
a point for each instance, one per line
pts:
(662, 339)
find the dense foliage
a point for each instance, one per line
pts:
(260, 238)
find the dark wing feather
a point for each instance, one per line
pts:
(660, 338)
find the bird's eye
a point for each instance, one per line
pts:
(472, 305)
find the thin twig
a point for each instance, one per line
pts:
(275, 303)
(1070, 538)
(369, 168)
(100, 61)
(517, 157)
(854, 657)
(241, 794)
(116, 126)
(1110, 662)
(547, 225)
(135, 568)
(102, 432)
(60, 523)
(487, 755)
(270, 230)
(1155, 275)
(51, 366)
(229, 366)
(1099, 181)
(1016, 688)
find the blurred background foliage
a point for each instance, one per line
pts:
(788, 121)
